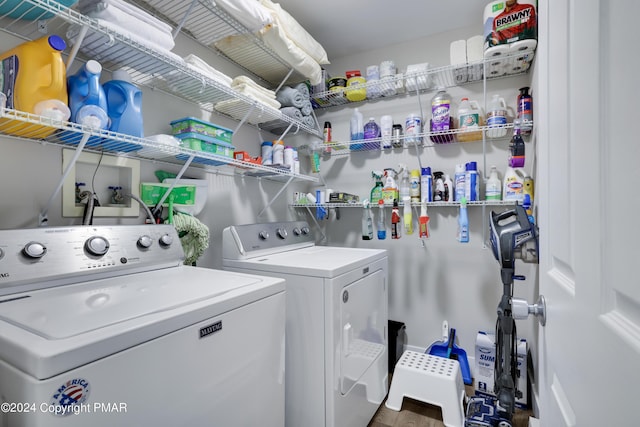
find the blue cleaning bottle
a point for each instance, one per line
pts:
(463, 222)
(87, 100)
(124, 104)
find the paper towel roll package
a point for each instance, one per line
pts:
(458, 55)
(508, 21)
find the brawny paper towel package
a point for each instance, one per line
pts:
(485, 368)
(509, 21)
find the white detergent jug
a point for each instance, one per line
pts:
(469, 121)
(497, 117)
(513, 187)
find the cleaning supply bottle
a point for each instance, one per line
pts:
(327, 137)
(525, 110)
(438, 186)
(459, 182)
(516, 147)
(372, 131)
(527, 189)
(34, 81)
(367, 221)
(441, 117)
(463, 222)
(513, 185)
(395, 220)
(404, 183)
(407, 216)
(87, 100)
(448, 189)
(376, 191)
(386, 132)
(124, 104)
(381, 225)
(493, 190)
(497, 117)
(390, 190)
(426, 185)
(424, 220)
(469, 121)
(414, 186)
(471, 182)
(356, 127)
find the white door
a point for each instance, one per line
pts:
(588, 181)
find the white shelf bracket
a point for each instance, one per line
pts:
(158, 206)
(43, 218)
(276, 196)
(76, 46)
(313, 217)
(184, 19)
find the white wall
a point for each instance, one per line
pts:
(443, 280)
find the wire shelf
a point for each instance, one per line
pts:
(429, 80)
(148, 66)
(401, 204)
(18, 124)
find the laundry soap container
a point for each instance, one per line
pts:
(35, 82)
(124, 104)
(87, 99)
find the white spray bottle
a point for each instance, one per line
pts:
(407, 216)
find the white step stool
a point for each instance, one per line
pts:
(431, 379)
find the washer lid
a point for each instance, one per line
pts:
(53, 330)
(316, 261)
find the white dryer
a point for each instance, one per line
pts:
(336, 321)
(104, 326)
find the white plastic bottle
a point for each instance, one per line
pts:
(459, 180)
(426, 185)
(356, 126)
(513, 186)
(448, 189)
(404, 186)
(386, 131)
(469, 121)
(496, 117)
(493, 190)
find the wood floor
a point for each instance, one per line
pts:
(420, 414)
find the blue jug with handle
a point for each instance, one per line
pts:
(124, 104)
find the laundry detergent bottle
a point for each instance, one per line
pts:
(34, 81)
(124, 104)
(87, 100)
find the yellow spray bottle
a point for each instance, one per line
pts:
(408, 219)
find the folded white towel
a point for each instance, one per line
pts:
(238, 109)
(244, 81)
(131, 18)
(200, 65)
(256, 94)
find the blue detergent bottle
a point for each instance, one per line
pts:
(87, 100)
(124, 105)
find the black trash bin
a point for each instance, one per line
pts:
(397, 338)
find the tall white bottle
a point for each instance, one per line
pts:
(493, 189)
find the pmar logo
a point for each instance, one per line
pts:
(70, 394)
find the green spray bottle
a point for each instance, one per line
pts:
(376, 191)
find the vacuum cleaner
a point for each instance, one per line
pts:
(513, 236)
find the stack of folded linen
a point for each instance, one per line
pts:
(296, 103)
(196, 63)
(261, 112)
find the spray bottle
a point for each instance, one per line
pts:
(381, 226)
(367, 222)
(376, 191)
(407, 216)
(404, 187)
(395, 220)
(424, 220)
(463, 222)
(390, 189)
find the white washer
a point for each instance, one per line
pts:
(104, 326)
(336, 329)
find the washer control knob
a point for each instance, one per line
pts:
(145, 241)
(264, 235)
(166, 240)
(34, 250)
(97, 245)
(296, 231)
(282, 233)
(305, 230)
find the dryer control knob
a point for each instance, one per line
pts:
(145, 242)
(264, 235)
(34, 250)
(282, 233)
(296, 231)
(166, 240)
(305, 230)
(97, 245)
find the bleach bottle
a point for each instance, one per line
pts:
(124, 104)
(87, 100)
